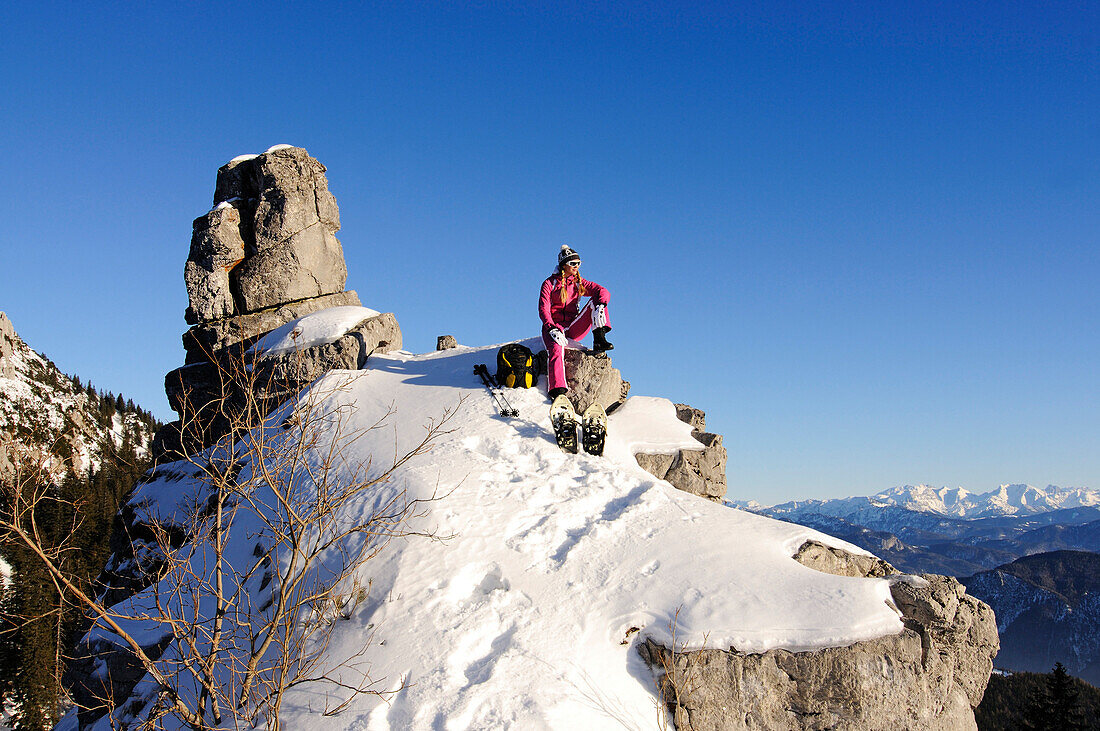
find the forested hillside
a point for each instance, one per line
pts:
(69, 456)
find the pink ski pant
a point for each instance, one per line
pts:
(555, 361)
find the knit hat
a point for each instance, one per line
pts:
(567, 255)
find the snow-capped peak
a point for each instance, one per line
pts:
(954, 502)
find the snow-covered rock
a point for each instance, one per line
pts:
(931, 675)
(317, 328)
(949, 502)
(45, 417)
(559, 568)
(262, 259)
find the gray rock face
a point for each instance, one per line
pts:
(829, 560)
(958, 632)
(271, 238)
(265, 255)
(202, 341)
(592, 380)
(209, 395)
(701, 472)
(931, 675)
(217, 246)
(379, 334)
(7, 346)
(309, 263)
(445, 342)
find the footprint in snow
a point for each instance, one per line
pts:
(481, 669)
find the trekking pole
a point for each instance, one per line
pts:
(506, 409)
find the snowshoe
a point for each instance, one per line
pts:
(563, 418)
(594, 429)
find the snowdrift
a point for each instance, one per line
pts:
(549, 568)
(559, 563)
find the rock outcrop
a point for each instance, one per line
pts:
(48, 420)
(265, 254)
(7, 347)
(593, 380)
(931, 675)
(701, 472)
(829, 560)
(270, 238)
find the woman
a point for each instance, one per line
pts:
(563, 318)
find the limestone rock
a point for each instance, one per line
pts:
(265, 255)
(445, 342)
(378, 334)
(592, 380)
(217, 246)
(7, 346)
(7, 467)
(691, 415)
(203, 340)
(271, 238)
(829, 560)
(958, 628)
(292, 195)
(308, 263)
(208, 395)
(284, 183)
(701, 472)
(931, 675)
(656, 464)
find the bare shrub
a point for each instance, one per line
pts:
(251, 562)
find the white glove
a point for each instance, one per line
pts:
(559, 337)
(599, 318)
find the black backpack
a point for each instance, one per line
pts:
(516, 366)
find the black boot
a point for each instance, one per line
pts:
(555, 392)
(599, 340)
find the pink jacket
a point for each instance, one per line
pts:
(554, 313)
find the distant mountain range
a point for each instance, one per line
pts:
(1030, 553)
(952, 531)
(1048, 610)
(1006, 500)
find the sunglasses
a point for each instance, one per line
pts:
(572, 263)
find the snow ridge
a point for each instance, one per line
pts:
(553, 566)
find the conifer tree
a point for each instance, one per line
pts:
(1065, 712)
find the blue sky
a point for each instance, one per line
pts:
(861, 236)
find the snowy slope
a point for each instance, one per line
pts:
(528, 614)
(44, 416)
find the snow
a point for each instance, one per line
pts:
(317, 328)
(243, 158)
(648, 425)
(950, 502)
(553, 567)
(48, 406)
(520, 619)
